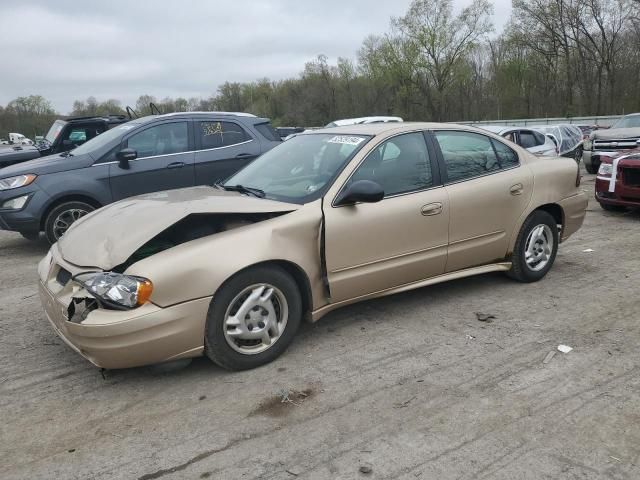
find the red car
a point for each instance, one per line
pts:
(618, 180)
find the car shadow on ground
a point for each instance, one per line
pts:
(18, 244)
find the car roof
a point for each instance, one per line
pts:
(382, 128)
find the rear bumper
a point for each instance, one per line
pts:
(575, 209)
(122, 339)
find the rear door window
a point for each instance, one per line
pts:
(214, 134)
(466, 154)
(528, 139)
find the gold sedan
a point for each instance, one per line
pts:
(326, 219)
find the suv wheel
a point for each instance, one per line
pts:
(536, 248)
(591, 168)
(253, 318)
(62, 217)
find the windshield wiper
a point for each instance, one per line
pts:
(256, 192)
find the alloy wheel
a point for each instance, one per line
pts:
(539, 247)
(255, 319)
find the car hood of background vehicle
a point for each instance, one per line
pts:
(49, 164)
(107, 237)
(617, 133)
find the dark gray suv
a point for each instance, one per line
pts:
(145, 155)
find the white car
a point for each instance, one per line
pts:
(533, 140)
(362, 121)
(568, 137)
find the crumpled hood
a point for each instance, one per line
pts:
(616, 133)
(107, 237)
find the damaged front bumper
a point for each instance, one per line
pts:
(118, 338)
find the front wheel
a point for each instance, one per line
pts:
(62, 217)
(536, 248)
(591, 168)
(253, 318)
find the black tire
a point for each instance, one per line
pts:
(218, 349)
(51, 231)
(520, 270)
(577, 155)
(31, 236)
(591, 168)
(612, 208)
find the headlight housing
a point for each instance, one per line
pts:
(17, 182)
(605, 169)
(117, 290)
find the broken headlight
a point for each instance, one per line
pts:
(117, 290)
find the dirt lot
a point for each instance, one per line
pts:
(410, 386)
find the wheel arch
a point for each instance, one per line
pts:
(552, 208)
(297, 273)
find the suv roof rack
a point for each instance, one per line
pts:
(235, 114)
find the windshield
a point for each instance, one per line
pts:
(631, 121)
(104, 138)
(55, 130)
(301, 169)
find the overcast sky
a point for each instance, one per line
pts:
(67, 50)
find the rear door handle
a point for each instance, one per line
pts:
(516, 189)
(244, 155)
(176, 165)
(431, 209)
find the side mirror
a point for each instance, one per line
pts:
(124, 156)
(364, 191)
(67, 145)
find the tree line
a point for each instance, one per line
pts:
(554, 58)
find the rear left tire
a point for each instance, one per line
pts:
(536, 248)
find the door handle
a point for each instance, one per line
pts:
(176, 165)
(244, 155)
(431, 209)
(516, 189)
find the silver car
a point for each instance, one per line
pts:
(533, 140)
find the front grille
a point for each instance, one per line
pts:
(613, 144)
(63, 276)
(631, 177)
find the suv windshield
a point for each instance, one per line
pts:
(103, 139)
(630, 121)
(301, 169)
(55, 130)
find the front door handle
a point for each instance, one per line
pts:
(431, 209)
(516, 189)
(176, 165)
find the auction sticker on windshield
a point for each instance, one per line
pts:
(346, 140)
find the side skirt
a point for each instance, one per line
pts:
(468, 272)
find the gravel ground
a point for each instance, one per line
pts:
(405, 387)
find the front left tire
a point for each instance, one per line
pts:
(62, 217)
(253, 318)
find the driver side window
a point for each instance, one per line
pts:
(162, 139)
(400, 165)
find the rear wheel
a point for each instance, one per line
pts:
(62, 217)
(536, 248)
(577, 154)
(253, 318)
